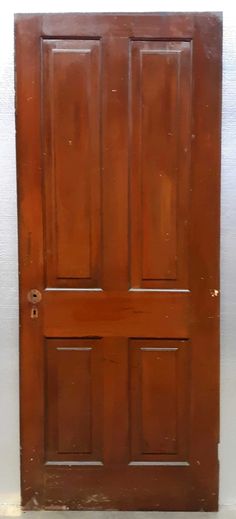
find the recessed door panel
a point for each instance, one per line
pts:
(159, 399)
(74, 400)
(161, 85)
(71, 104)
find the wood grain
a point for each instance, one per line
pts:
(160, 121)
(72, 176)
(118, 162)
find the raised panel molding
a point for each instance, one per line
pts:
(159, 400)
(71, 161)
(74, 400)
(160, 125)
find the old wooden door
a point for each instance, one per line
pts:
(118, 152)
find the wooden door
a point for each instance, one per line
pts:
(118, 152)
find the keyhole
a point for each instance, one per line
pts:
(34, 313)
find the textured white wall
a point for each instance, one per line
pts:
(9, 395)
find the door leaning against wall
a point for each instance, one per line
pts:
(118, 153)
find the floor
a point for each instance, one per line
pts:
(224, 514)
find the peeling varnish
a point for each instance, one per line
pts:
(214, 292)
(96, 498)
(57, 507)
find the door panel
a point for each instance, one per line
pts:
(161, 83)
(71, 100)
(118, 157)
(74, 400)
(159, 400)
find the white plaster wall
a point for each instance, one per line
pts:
(9, 394)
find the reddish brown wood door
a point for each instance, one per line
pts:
(118, 146)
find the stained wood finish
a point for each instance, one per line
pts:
(160, 180)
(118, 157)
(73, 374)
(71, 72)
(130, 314)
(160, 385)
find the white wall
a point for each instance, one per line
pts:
(9, 409)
